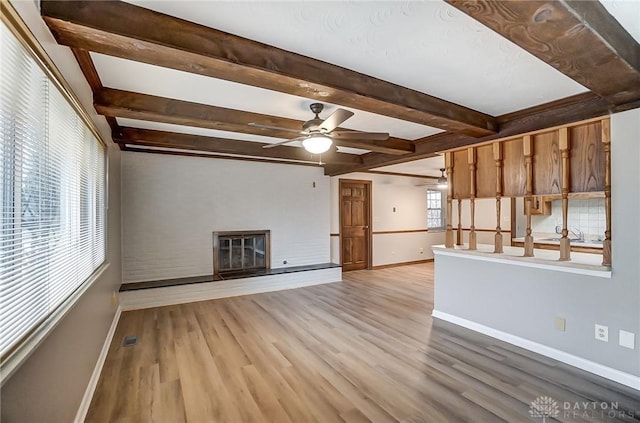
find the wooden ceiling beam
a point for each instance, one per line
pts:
(162, 139)
(93, 79)
(124, 30)
(126, 104)
(578, 38)
(173, 152)
(559, 112)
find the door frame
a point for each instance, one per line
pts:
(369, 237)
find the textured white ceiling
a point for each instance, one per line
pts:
(627, 12)
(428, 46)
(425, 167)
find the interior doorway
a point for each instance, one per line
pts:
(355, 224)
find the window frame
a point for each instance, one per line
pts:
(32, 338)
(442, 209)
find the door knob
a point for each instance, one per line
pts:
(365, 227)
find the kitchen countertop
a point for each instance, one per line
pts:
(554, 239)
(581, 263)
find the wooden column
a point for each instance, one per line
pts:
(606, 140)
(565, 244)
(473, 244)
(527, 144)
(459, 232)
(497, 156)
(448, 163)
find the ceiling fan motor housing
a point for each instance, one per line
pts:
(313, 125)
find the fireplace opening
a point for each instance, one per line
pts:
(240, 251)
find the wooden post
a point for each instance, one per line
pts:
(471, 155)
(565, 244)
(459, 232)
(497, 156)
(606, 140)
(448, 163)
(528, 160)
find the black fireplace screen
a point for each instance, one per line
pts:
(240, 250)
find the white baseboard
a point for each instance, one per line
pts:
(579, 362)
(156, 297)
(95, 376)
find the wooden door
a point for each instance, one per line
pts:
(355, 224)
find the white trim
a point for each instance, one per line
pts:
(156, 297)
(627, 379)
(582, 263)
(95, 376)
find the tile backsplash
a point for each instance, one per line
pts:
(587, 215)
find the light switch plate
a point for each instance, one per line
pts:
(560, 324)
(627, 339)
(602, 333)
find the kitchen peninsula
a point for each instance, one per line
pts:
(538, 301)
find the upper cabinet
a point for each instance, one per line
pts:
(586, 162)
(587, 157)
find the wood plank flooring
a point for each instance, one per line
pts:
(361, 350)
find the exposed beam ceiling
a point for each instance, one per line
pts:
(567, 110)
(117, 103)
(150, 138)
(578, 38)
(131, 32)
(557, 32)
(93, 79)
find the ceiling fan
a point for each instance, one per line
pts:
(318, 134)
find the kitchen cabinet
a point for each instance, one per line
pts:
(540, 205)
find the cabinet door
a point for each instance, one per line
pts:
(540, 206)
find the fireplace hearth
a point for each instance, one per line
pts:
(240, 251)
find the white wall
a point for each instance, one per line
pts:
(172, 204)
(408, 196)
(524, 301)
(50, 384)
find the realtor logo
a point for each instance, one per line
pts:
(544, 407)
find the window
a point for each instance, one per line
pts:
(52, 196)
(435, 209)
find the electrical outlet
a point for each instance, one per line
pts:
(421, 250)
(560, 324)
(602, 333)
(627, 339)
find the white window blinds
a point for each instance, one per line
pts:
(435, 209)
(52, 185)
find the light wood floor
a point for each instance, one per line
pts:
(365, 349)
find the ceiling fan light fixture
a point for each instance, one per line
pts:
(442, 180)
(317, 143)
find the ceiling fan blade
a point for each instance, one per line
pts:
(277, 128)
(276, 144)
(336, 118)
(353, 135)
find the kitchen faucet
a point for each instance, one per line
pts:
(578, 234)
